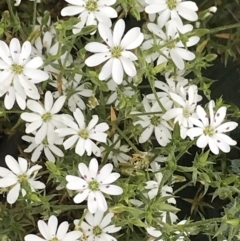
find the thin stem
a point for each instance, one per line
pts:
(146, 113)
(14, 18)
(181, 188)
(34, 13)
(218, 29)
(156, 96)
(202, 222)
(127, 139)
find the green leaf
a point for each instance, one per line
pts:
(165, 207)
(88, 29)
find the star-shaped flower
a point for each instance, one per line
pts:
(92, 183)
(116, 52)
(211, 129)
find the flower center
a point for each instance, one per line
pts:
(91, 5)
(18, 69)
(97, 230)
(22, 178)
(83, 133)
(116, 51)
(171, 45)
(209, 131)
(45, 142)
(47, 117)
(172, 4)
(155, 120)
(186, 112)
(93, 185)
(54, 239)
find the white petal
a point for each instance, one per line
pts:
(202, 141)
(213, 146)
(58, 104)
(15, 49)
(41, 133)
(106, 34)
(44, 230)
(73, 235)
(80, 197)
(96, 47)
(34, 63)
(101, 202)
(195, 131)
(36, 75)
(118, 32)
(62, 230)
(31, 237)
(30, 117)
(93, 167)
(48, 101)
(92, 202)
(104, 172)
(70, 142)
(97, 59)
(34, 106)
(79, 117)
(106, 70)
(117, 71)
(226, 127)
(9, 98)
(13, 194)
(72, 10)
(106, 220)
(111, 189)
(146, 134)
(13, 165)
(128, 67)
(177, 59)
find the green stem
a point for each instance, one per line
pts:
(127, 139)
(181, 188)
(218, 29)
(156, 96)
(146, 113)
(15, 19)
(34, 13)
(202, 222)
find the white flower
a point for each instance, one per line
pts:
(140, 6)
(19, 1)
(74, 90)
(51, 232)
(18, 176)
(119, 59)
(211, 130)
(83, 134)
(184, 110)
(91, 12)
(154, 185)
(45, 26)
(157, 233)
(92, 183)
(46, 48)
(44, 119)
(171, 86)
(126, 89)
(176, 51)
(153, 122)
(118, 152)
(96, 227)
(172, 9)
(44, 146)
(19, 73)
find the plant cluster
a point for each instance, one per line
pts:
(108, 99)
